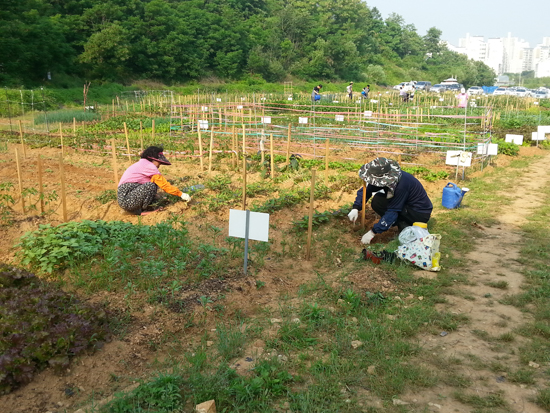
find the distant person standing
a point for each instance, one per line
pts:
(462, 98)
(315, 94)
(349, 89)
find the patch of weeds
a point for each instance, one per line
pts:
(503, 285)
(522, 376)
(491, 400)
(106, 196)
(294, 336)
(506, 337)
(482, 334)
(161, 395)
(231, 340)
(543, 399)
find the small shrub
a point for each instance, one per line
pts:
(507, 148)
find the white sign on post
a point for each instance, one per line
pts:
(368, 113)
(358, 102)
(517, 139)
(543, 130)
(459, 158)
(258, 225)
(266, 119)
(289, 98)
(339, 118)
(218, 99)
(492, 149)
(482, 148)
(203, 124)
(240, 107)
(334, 101)
(535, 136)
(204, 108)
(302, 120)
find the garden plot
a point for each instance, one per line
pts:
(179, 295)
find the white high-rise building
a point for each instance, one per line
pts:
(508, 54)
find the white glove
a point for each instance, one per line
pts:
(367, 238)
(353, 215)
(185, 197)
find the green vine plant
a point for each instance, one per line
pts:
(6, 204)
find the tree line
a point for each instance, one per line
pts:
(176, 41)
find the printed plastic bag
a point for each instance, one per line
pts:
(422, 252)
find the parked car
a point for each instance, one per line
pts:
(499, 91)
(397, 87)
(540, 94)
(521, 92)
(423, 85)
(455, 87)
(475, 90)
(438, 88)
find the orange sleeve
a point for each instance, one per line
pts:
(163, 184)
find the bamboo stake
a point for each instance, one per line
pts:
(141, 134)
(83, 127)
(115, 169)
(364, 201)
(127, 142)
(22, 142)
(40, 185)
(210, 149)
(310, 222)
(61, 136)
(63, 193)
(327, 142)
(153, 130)
(244, 183)
(262, 155)
(235, 154)
(200, 147)
(113, 107)
(288, 144)
(272, 156)
(74, 126)
(244, 141)
(19, 179)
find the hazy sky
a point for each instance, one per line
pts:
(526, 19)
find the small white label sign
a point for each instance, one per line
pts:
(203, 124)
(339, 118)
(266, 119)
(240, 107)
(492, 149)
(302, 120)
(482, 148)
(218, 99)
(258, 228)
(368, 113)
(204, 108)
(517, 139)
(459, 158)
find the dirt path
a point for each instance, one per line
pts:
(464, 352)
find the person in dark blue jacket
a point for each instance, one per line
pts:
(403, 202)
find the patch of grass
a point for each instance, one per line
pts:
(543, 399)
(230, 341)
(474, 400)
(522, 376)
(503, 285)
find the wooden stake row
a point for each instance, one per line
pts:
(41, 186)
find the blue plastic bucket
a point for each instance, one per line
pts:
(452, 196)
(317, 97)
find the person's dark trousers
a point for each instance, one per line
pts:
(406, 217)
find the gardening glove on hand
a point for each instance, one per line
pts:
(353, 215)
(185, 197)
(367, 238)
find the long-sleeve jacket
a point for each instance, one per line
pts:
(409, 193)
(144, 171)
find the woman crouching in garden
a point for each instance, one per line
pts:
(139, 184)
